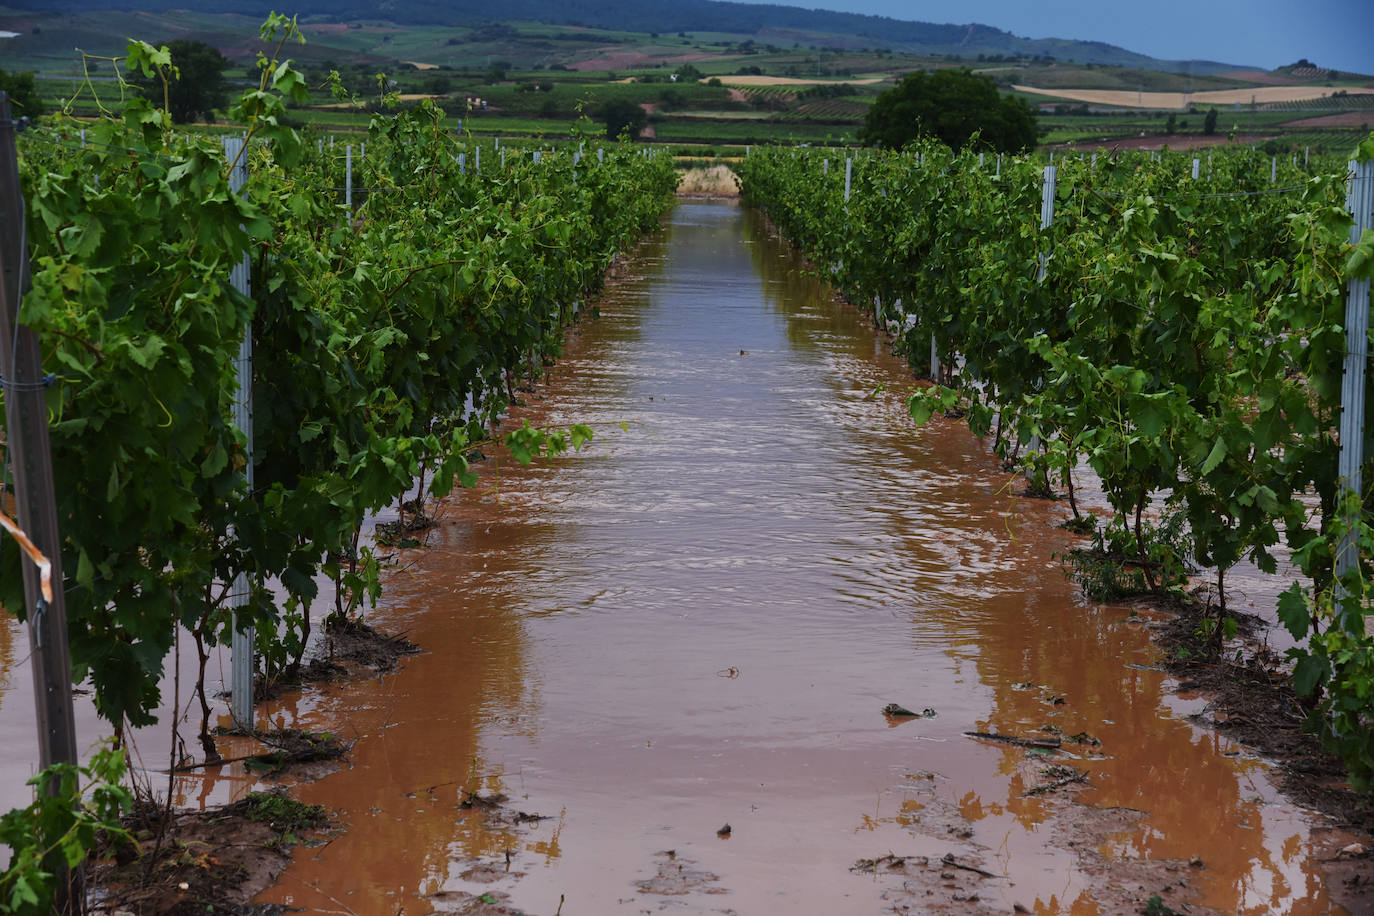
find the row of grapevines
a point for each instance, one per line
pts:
(1182, 336)
(383, 338)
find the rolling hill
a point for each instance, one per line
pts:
(773, 23)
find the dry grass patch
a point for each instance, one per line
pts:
(709, 181)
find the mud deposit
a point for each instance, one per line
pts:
(699, 621)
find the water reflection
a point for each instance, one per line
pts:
(8, 628)
(418, 777)
(755, 503)
(1141, 757)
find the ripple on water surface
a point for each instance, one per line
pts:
(698, 619)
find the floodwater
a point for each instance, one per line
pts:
(699, 619)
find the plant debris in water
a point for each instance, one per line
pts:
(292, 746)
(354, 642)
(1060, 776)
(285, 747)
(401, 533)
(1044, 744)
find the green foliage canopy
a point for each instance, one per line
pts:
(1201, 380)
(24, 97)
(623, 115)
(380, 348)
(952, 106)
(198, 86)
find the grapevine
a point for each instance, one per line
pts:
(384, 336)
(1182, 336)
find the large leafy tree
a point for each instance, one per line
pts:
(198, 86)
(952, 106)
(623, 115)
(22, 92)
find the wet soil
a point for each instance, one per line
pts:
(355, 642)
(218, 858)
(1250, 698)
(204, 861)
(350, 649)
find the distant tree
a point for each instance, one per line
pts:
(23, 93)
(622, 115)
(1171, 125)
(198, 86)
(672, 100)
(1209, 123)
(950, 105)
(688, 74)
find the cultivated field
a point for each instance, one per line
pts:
(751, 80)
(1260, 95)
(1340, 119)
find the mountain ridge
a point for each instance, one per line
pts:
(851, 30)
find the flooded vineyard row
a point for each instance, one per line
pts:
(655, 672)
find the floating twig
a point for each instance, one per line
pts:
(1057, 784)
(955, 863)
(1042, 744)
(889, 861)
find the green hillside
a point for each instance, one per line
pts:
(521, 78)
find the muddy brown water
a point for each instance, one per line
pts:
(698, 620)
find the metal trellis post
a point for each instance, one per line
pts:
(241, 646)
(30, 459)
(348, 184)
(1360, 202)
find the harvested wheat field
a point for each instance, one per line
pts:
(1258, 94)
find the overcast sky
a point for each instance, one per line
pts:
(1337, 34)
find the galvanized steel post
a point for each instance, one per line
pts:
(241, 645)
(30, 458)
(1360, 201)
